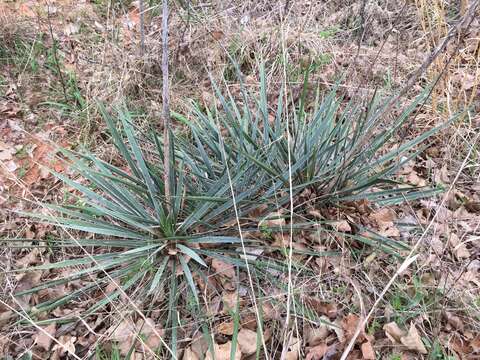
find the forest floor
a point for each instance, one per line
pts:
(58, 58)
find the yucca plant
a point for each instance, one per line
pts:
(234, 161)
(335, 149)
(339, 152)
(155, 251)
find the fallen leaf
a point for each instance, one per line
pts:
(5, 317)
(123, 330)
(384, 215)
(267, 334)
(339, 331)
(6, 154)
(349, 325)
(190, 355)
(199, 346)
(226, 328)
(321, 307)
(223, 268)
(457, 344)
(126, 332)
(384, 219)
(4, 344)
(249, 320)
(367, 351)
(416, 180)
(280, 240)
(442, 176)
(45, 335)
(27, 281)
(43, 157)
(25, 10)
(317, 352)
(454, 321)
(436, 244)
(30, 259)
(471, 276)
(274, 219)
(132, 19)
(473, 206)
(217, 34)
(393, 332)
(151, 333)
(222, 352)
(270, 311)
(247, 340)
(315, 336)
(475, 344)
(67, 345)
(461, 251)
(413, 340)
(341, 225)
(315, 213)
(229, 299)
(11, 166)
(391, 231)
(257, 212)
(122, 333)
(71, 29)
(293, 349)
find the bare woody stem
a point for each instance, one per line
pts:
(142, 28)
(55, 57)
(166, 107)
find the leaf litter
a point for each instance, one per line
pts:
(320, 343)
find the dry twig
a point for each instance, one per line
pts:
(165, 105)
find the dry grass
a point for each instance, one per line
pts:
(376, 47)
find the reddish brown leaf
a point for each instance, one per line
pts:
(217, 34)
(321, 307)
(223, 268)
(226, 328)
(317, 352)
(247, 340)
(393, 332)
(222, 352)
(475, 345)
(44, 337)
(349, 325)
(413, 341)
(367, 351)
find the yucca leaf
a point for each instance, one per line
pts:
(215, 240)
(191, 253)
(158, 276)
(119, 143)
(188, 276)
(135, 277)
(172, 311)
(143, 167)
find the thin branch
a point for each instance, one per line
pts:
(166, 107)
(142, 28)
(55, 57)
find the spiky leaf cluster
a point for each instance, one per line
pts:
(240, 156)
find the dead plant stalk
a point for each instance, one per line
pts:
(142, 28)
(165, 105)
